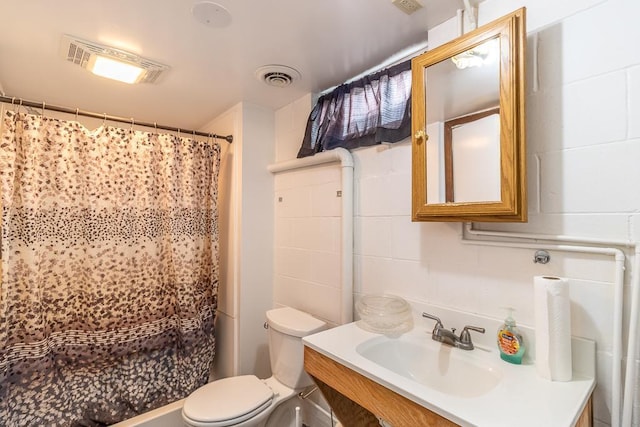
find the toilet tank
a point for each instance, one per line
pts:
(287, 326)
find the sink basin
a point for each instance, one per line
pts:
(449, 370)
(469, 388)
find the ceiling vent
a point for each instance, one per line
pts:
(85, 53)
(277, 75)
(407, 6)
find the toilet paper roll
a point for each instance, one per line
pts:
(552, 309)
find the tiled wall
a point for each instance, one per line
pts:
(307, 241)
(583, 130)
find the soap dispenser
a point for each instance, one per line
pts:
(510, 341)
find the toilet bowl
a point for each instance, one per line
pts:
(247, 401)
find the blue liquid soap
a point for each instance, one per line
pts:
(510, 341)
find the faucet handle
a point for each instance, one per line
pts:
(465, 336)
(438, 325)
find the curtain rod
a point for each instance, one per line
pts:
(20, 102)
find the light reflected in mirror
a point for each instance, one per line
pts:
(463, 150)
(468, 125)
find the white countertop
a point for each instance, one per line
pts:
(520, 399)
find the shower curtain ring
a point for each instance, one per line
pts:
(132, 123)
(104, 121)
(77, 111)
(155, 125)
(43, 107)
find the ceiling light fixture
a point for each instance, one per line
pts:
(109, 62)
(114, 69)
(483, 54)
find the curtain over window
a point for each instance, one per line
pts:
(368, 111)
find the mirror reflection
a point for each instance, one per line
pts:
(462, 96)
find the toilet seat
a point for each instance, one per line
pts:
(227, 401)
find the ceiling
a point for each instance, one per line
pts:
(212, 68)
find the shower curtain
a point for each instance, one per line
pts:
(109, 270)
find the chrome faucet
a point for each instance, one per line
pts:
(449, 337)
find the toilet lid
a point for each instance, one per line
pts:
(227, 399)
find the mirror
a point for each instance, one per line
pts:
(469, 154)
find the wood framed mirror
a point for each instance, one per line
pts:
(468, 125)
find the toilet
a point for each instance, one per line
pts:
(246, 400)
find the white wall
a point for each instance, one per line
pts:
(229, 123)
(256, 237)
(246, 249)
(583, 134)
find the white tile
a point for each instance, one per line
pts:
(610, 226)
(372, 161)
(599, 117)
(326, 268)
(318, 234)
(283, 233)
(592, 312)
(634, 228)
(372, 200)
(405, 238)
(533, 183)
(613, 46)
(317, 300)
(453, 288)
(374, 236)
(400, 156)
(408, 278)
(591, 180)
(324, 199)
(357, 274)
(308, 176)
(385, 195)
(321, 174)
(294, 263)
(540, 13)
(399, 192)
(293, 203)
(571, 49)
(634, 102)
(375, 275)
(602, 392)
(544, 121)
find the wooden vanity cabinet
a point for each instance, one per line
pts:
(358, 401)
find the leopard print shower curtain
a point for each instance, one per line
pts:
(109, 270)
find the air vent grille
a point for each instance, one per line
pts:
(278, 79)
(79, 52)
(277, 75)
(78, 55)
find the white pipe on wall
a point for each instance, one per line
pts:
(346, 161)
(618, 407)
(630, 372)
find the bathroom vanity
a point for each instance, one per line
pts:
(411, 380)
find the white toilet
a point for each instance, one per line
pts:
(246, 400)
